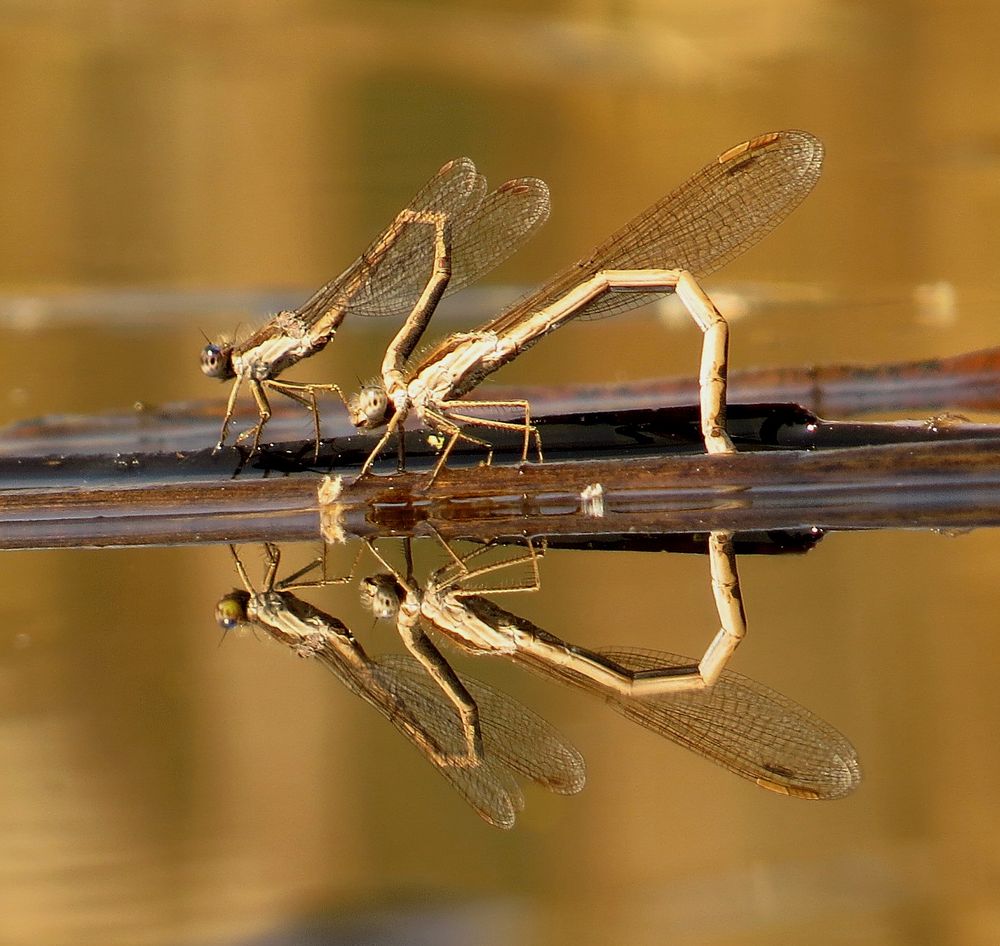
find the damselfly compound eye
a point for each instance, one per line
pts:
(231, 611)
(216, 361)
(379, 595)
(369, 407)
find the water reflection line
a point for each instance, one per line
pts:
(912, 486)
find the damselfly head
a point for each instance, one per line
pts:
(370, 407)
(217, 360)
(231, 611)
(381, 595)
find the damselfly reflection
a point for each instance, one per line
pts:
(717, 214)
(737, 723)
(451, 233)
(479, 753)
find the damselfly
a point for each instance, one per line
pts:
(736, 722)
(712, 218)
(451, 233)
(509, 738)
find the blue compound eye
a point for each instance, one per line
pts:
(216, 361)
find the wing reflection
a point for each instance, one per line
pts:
(510, 739)
(737, 722)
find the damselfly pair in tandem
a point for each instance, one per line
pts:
(453, 232)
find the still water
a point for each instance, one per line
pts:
(162, 784)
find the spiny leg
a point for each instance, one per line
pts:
(241, 570)
(455, 412)
(407, 584)
(395, 421)
(459, 561)
(320, 562)
(308, 402)
(408, 555)
(534, 583)
(400, 448)
(264, 415)
(442, 424)
(230, 408)
(458, 570)
(272, 555)
(305, 393)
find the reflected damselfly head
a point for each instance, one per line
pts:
(370, 407)
(381, 595)
(231, 611)
(217, 360)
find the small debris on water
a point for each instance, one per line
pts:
(331, 512)
(330, 488)
(592, 501)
